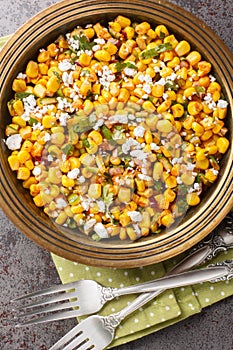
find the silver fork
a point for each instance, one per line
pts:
(98, 331)
(89, 296)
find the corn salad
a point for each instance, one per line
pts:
(117, 130)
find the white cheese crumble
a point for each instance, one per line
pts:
(89, 224)
(61, 203)
(139, 131)
(73, 174)
(21, 76)
(222, 104)
(66, 65)
(36, 171)
(81, 179)
(154, 146)
(13, 142)
(101, 230)
(135, 216)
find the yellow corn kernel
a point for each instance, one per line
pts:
(123, 95)
(18, 107)
(48, 121)
(87, 159)
(123, 51)
(26, 132)
(114, 89)
(164, 106)
(34, 189)
(23, 156)
(203, 68)
(167, 220)
(96, 137)
(201, 154)
(67, 182)
(102, 55)
(64, 166)
(177, 110)
(96, 89)
(123, 21)
(197, 128)
(148, 106)
(13, 162)
(129, 31)
(110, 48)
(192, 199)
(211, 175)
(213, 149)
(19, 85)
(54, 175)
(95, 191)
(61, 218)
(40, 90)
(174, 62)
(84, 59)
(164, 125)
(189, 92)
(193, 58)
(124, 219)
(171, 39)
(93, 147)
(38, 200)
(142, 28)
(52, 49)
(53, 84)
(77, 209)
(157, 90)
(182, 48)
(166, 71)
(187, 179)
(30, 181)
(23, 173)
(29, 164)
(140, 185)
(124, 195)
(115, 160)
(88, 107)
(162, 31)
(157, 171)
(131, 233)
(148, 137)
(79, 219)
(122, 234)
(53, 71)
(43, 56)
(32, 69)
(85, 88)
(202, 164)
(222, 144)
(171, 181)
(194, 107)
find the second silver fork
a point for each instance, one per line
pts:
(89, 297)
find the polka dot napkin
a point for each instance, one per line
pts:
(170, 307)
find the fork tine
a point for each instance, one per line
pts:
(51, 308)
(76, 344)
(47, 291)
(54, 317)
(76, 331)
(49, 300)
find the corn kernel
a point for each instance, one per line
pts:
(192, 199)
(102, 55)
(123, 21)
(222, 144)
(32, 69)
(182, 48)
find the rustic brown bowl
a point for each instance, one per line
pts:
(17, 203)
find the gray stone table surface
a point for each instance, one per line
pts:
(25, 266)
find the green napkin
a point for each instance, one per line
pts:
(170, 307)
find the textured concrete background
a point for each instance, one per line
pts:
(24, 266)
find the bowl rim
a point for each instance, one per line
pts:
(141, 252)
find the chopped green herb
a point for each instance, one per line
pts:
(106, 132)
(171, 85)
(67, 149)
(84, 44)
(155, 51)
(59, 78)
(84, 124)
(96, 237)
(22, 95)
(120, 66)
(32, 121)
(162, 35)
(86, 143)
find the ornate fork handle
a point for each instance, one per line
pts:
(219, 240)
(228, 264)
